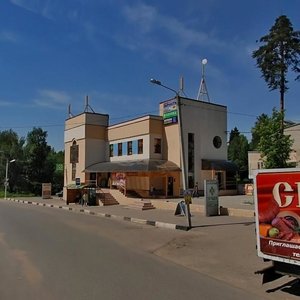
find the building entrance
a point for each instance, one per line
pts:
(170, 186)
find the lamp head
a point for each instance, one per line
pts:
(154, 81)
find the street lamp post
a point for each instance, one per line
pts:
(154, 81)
(182, 155)
(6, 176)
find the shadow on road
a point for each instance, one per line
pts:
(223, 224)
(292, 287)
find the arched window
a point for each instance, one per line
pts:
(74, 153)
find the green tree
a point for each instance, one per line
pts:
(58, 175)
(274, 145)
(35, 162)
(256, 131)
(39, 166)
(238, 151)
(279, 53)
(11, 147)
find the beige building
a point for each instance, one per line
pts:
(294, 132)
(255, 161)
(150, 155)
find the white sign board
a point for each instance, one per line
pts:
(211, 196)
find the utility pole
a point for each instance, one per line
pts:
(182, 152)
(6, 176)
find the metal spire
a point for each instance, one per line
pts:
(203, 92)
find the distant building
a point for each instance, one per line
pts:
(143, 156)
(294, 132)
(255, 160)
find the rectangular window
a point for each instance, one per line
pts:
(73, 171)
(111, 150)
(260, 165)
(115, 149)
(157, 145)
(129, 148)
(135, 147)
(120, 149)
(140, 146)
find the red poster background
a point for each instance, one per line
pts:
(268, 208)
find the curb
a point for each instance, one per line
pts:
(105, 215)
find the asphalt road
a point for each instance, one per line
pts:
(54, 254)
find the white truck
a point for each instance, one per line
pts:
(277, 217)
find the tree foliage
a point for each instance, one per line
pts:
(35, 161)
(274, 145)
(238, 150)
(279, 53)
(36, 152)
(257, 130)
(57, 159)
(11, 147)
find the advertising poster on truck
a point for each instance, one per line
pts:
(277, 208)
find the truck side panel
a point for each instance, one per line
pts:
(277, 210)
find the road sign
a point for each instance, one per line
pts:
(211, 195)
(187, 197)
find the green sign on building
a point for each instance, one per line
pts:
(170, 112)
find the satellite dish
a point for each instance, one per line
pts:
(204, 61)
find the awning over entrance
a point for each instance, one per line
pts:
(141, 165)
(218, 165)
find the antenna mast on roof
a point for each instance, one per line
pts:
(69, 111)
(203, 92)
(87, 106)
(181, 86)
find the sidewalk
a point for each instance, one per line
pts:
(239, 208)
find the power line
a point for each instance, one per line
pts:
(115, 119)
(242, 114)
(31, 126)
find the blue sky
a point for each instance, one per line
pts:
(55, 52)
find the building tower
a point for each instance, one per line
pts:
(85, 140)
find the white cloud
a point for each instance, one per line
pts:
(148, 20)
(5, 103)
(52, 99)
(50, 9)
(116, 104)
(154, 33)
(31, 5)
(8, 36)
(142, 14)
(44, 8)
(90, 31)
